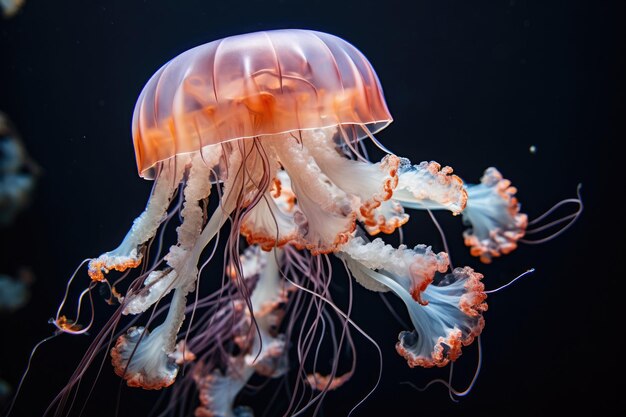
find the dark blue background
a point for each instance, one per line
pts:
(468, 85)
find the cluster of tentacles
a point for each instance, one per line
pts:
(296, 199)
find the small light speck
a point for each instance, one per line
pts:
(533, 149)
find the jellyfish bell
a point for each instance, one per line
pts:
(256, 85)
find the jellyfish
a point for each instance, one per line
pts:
(11, 7)
(256, 142)
(18, 173)
(15, 292)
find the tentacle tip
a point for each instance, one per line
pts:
(102, 265)
(141, 360)
(66, 325)
(319, 382)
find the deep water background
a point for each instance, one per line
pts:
(469, 85)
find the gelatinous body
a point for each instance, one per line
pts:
(255, 85)
(269, 125)
(18, 173)
(15, 292)
(10, 7)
